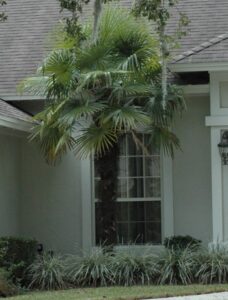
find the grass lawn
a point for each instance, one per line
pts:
(123, 293)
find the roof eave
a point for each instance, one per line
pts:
(198, 67)
(16, 124)
(23, 98)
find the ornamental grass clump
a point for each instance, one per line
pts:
(90, 270)
(212, 265)
(47, 272)
(131, 269)
(176, 266)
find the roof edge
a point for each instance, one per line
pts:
(201, 47)
(22, 98)
(198, 67)
(16, 124)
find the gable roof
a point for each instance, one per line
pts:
(23, 37)
(9, 111)
(214, 50)
(207, 30)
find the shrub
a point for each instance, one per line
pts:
(182, 242)
(6, 287)
(176, 266)
(212, 265)
(47, 272)
(90, 270)
(130, 269)
(16, 254)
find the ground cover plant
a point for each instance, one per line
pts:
(173, 266)
(16, 254)
(6, 286)
(98, 269)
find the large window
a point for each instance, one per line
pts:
(139, 194)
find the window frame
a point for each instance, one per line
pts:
(133, 199)
(86, 196)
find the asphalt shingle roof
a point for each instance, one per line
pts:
(23, 37)
(210, 51)
(23, 40)
(10, 111)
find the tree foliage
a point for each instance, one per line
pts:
(103, 90)
(3, 16)
(158, 11)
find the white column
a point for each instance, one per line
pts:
(217, 187)
(87, 206)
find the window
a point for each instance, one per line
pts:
(139, 194)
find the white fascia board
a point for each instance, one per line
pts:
(22, 98)
(217, 121)
(198, 67)
(15, 124)
(199, 89)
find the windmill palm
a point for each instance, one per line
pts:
(96, 93)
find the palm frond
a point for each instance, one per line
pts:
(165, 139)
(36, 86)
(125, 118)
(54, 142)
(96, 140)
(76, 110)
(99, 78)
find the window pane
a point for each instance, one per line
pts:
(134, 149)
(122, 211)
(153, 233)
(153, 211)
(123, 145)
(150, 148)
(153, 187)
(95, 169)
(122, 188)
(137, 222)
(135, 167)
(136, 211)
(152, 166)
(135, 187)
(137, 233)
(96, 183)
(122, 167)
(122, 233)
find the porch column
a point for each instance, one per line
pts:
(217, 187)
(218, 122)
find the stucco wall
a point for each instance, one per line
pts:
(192, 172)
(50, 205)
(9, 185)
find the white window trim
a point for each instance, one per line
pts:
(88, 220)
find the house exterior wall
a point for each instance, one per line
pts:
(53, 203)
(50, 204)
(192, 172)
(9, 184)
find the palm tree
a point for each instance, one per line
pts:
(99, 91)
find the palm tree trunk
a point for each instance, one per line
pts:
(96, 13)
(107, 168)
(164, 54)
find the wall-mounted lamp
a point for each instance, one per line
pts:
(223, 148)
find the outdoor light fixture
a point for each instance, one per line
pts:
(223, 148)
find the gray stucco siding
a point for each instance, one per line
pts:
(192, 172)
(9, 184)
(50, 207)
